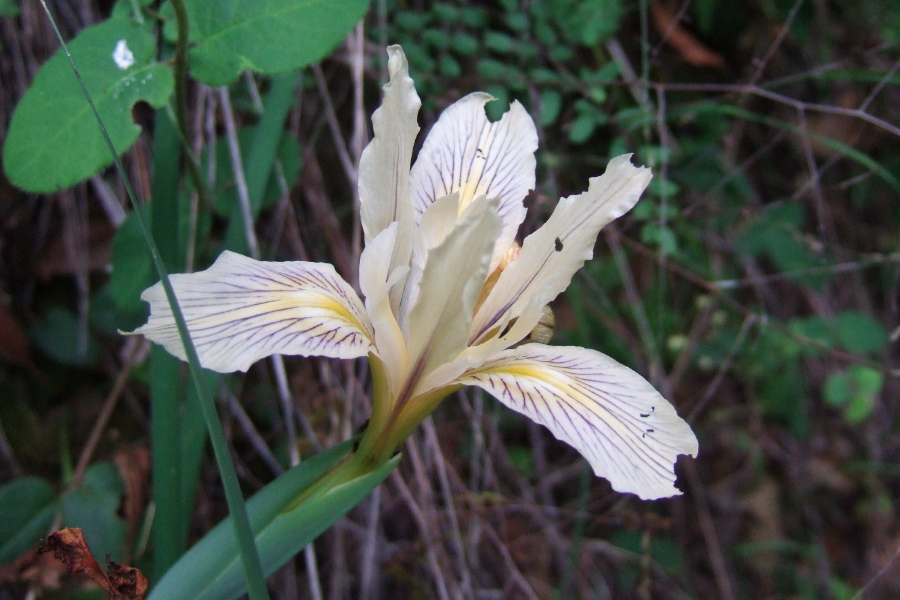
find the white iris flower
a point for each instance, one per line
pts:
(441, 310)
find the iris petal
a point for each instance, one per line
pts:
(451, 282)
(241, 310)
(384, 164)
(628, 432)
(552, 254)
(376, 281)
(466, 153)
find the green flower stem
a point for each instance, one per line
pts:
(394, 419)
(249, 555)
(391, 423)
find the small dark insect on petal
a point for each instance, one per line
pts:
(643, 435)
(559, 245)
(652, 408)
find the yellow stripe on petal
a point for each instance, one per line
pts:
(628, 432)
(241, 310)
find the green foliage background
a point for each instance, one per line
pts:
(757, 285)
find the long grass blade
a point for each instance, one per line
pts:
(249, 555)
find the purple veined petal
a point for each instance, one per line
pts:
(625, 429)
(466, 153)
(241, 310)
(551, 255)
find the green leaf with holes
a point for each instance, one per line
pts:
(231, 36)
(54, 141)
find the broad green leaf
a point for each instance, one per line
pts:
(490, 68)
(768, 228)
(855, 389)
(465, 44)
(93, 506)
(449, 67)
(838, 388)
(102, 315)
(663, 238)
(868, 381)
(61, 337)
(582, 128)
(53, 139)
(587, 22)
(8, 8)
(267, 37)
(288, 152)
(551, 104)
(211, 570)
(859, 332)
(501, 42)
(859, 408)
(127, 9)
(662, 548)
(27, 509)
(867, 384)
(132, 270)
(816, 328)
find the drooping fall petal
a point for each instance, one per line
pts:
(466, 153)
(241, 310)
(551, 255)
(628, 432)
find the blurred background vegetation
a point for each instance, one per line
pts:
(757, 285)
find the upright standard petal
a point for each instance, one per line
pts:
(241, 310)
(376, 281)
(628, 432)
(451, 281)
(384, 164)
(551, 255)
(435, 225)
(466, 153)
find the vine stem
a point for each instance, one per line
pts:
(181, 83)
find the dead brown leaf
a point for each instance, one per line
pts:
(120, 582)
(666, 24)
(133, 463)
